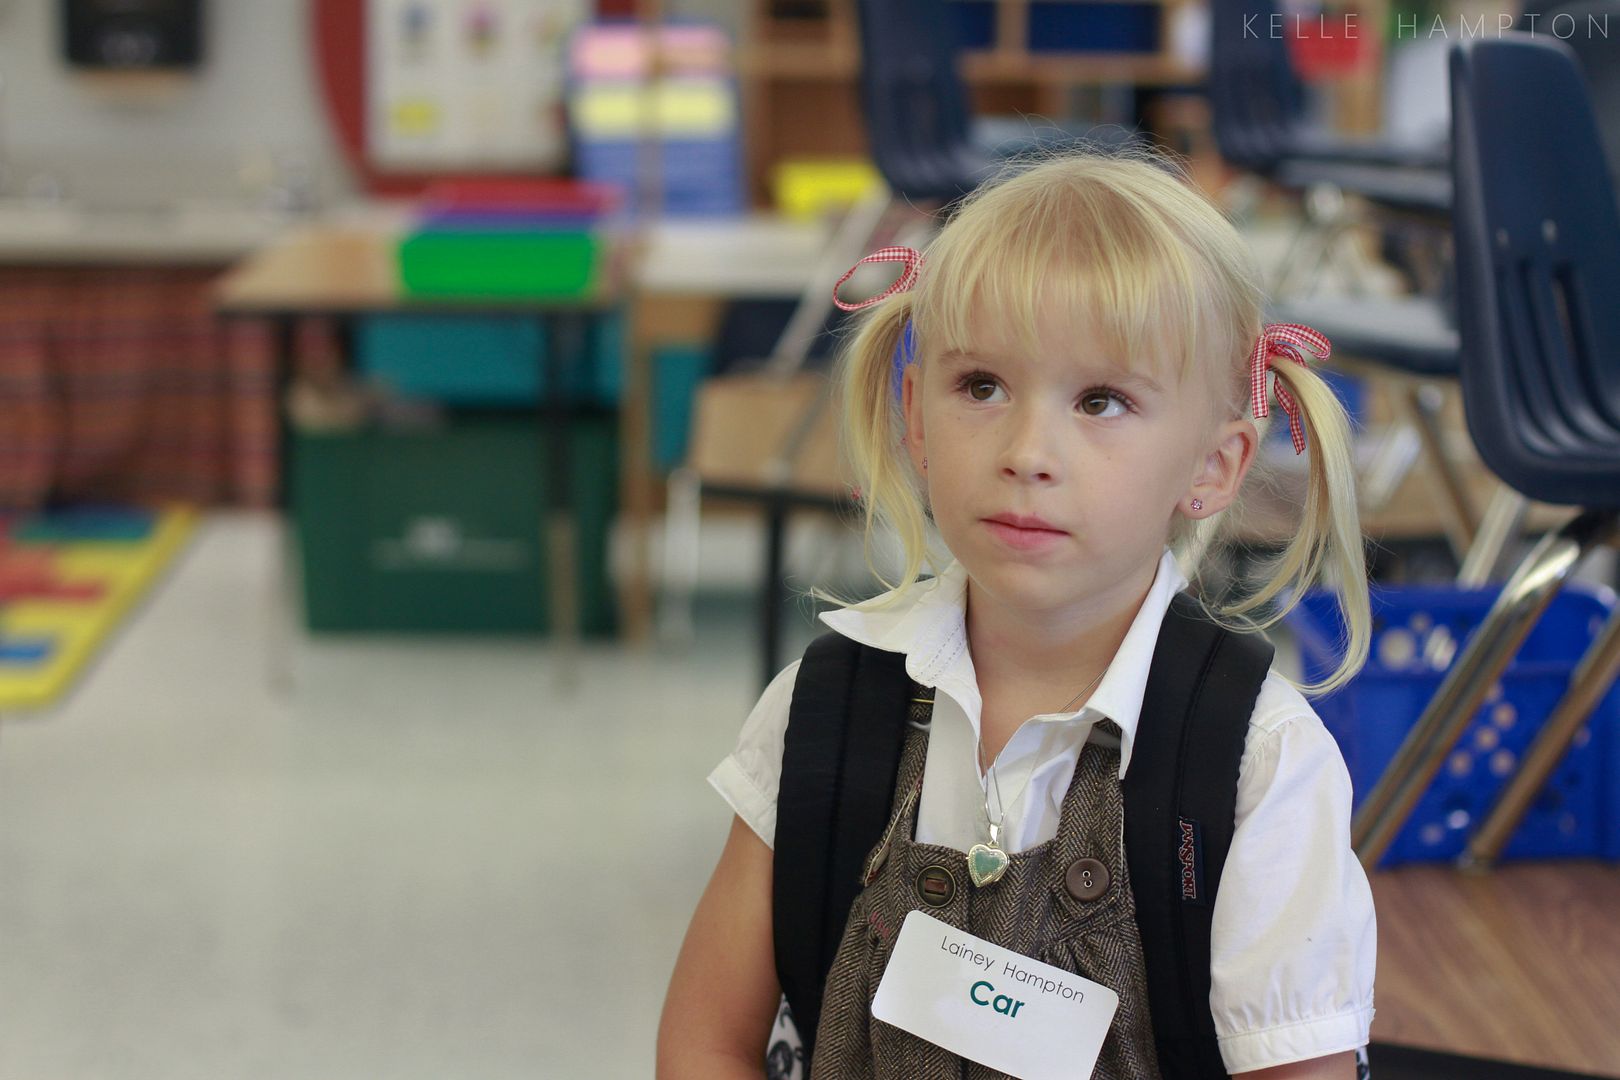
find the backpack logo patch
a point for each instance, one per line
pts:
(1190, 856)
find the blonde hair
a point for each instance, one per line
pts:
(1125, 237)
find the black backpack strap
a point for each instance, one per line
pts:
(1180, 793)
(840, 759)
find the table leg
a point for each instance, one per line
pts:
(567, 342)
(770, 637)
(283, 604)
(635, 456)
(655, 321)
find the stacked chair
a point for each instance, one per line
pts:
(1257, 102)
(1257, 107)
(1537, 239)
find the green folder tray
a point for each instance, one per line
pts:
(499, 262)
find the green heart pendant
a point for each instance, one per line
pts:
(986, 864)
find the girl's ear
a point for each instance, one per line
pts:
(911, 409)
(1220, 475)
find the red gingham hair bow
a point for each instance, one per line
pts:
(911, 257)
(1283, 339)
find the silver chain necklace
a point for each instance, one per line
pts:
(987, 862)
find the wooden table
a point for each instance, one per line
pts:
(348, 267)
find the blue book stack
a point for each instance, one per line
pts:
(684, 121)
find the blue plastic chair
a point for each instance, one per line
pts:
(1537, 237)
(1257, 104)
(918, 121)
(1599, 59)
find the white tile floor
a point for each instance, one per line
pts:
(419, 863)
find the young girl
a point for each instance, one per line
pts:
(1083, 392)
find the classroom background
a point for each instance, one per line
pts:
(415, 458)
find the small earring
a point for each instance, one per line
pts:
(1198, 504)
(925, 463)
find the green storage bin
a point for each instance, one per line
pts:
(499, 262)
(487, 360)
(443, 530)
(677, 372)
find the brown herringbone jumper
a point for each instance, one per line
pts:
(1029, 910)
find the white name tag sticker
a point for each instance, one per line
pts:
(992, 1005)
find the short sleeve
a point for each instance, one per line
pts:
(1293, 940)
(749, 777)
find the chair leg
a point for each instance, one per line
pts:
(847, 244)
(1422, 403)
(682, 529)
(770, 639)
(1325, 204)
(1501, 525)
(1523, 599)
(1391, 461)
(1306, 232)
(1593, 676)
(1337, 240)
(1241, 200)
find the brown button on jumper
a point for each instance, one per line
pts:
(1086, 879)
(1065, 902)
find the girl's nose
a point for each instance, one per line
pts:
(1028, 453)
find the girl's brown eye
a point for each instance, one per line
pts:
(981, 384)
(1098, 402)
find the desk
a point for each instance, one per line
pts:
(683, 274)
(348, 268)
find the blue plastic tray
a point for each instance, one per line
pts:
(1577, 814)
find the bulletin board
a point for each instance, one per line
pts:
(467, 84)
(420, 89)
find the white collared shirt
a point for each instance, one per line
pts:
(1293, 941)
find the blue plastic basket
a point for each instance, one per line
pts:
(1577, 814)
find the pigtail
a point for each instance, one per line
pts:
(872, 432)
(1328, 544)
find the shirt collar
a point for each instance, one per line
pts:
(926, 621)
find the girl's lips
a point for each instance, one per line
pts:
(1024, 539)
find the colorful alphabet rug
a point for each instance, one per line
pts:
(67, 580)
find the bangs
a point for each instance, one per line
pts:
(1076, 254)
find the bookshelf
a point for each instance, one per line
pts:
(799, 63)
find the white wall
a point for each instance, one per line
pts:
(254, 101)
